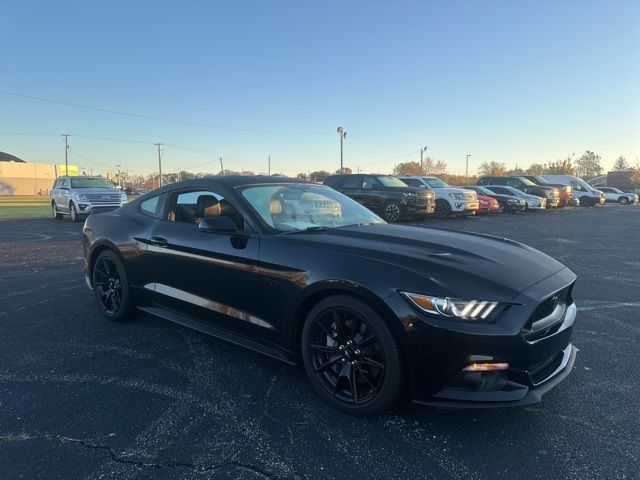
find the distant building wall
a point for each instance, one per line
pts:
(620, 179)
(30, 178)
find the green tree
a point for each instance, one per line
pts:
(345, 171)
(491, 169)
(407, 168)
(318, 176)
(588, 165)
(536, 169)
(621, 164)
(635, 177)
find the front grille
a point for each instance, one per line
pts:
(543, 370)
(471, 197)
(104, 198)
(422, 200)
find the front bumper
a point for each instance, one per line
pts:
(553, 202)
(85, 208)
(420, 207)
(438, 350)
(467, 207)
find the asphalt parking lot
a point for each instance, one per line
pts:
(81, 397)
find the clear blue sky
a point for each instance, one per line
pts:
(510, 81)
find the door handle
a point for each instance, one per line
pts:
(159, 241)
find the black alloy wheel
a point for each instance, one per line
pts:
(443, 209)
(54, 211)
(392, 211)
(623, 201)
(351, 357)
(111, 288)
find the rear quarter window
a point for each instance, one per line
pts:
(151, 206)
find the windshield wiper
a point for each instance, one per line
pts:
(306, 230)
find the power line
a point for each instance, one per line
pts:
(160, 119)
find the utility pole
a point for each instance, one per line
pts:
(422, 150)
(159, 145)
(66, 153)
(343, 134)
(269, 166)
(221, 167)
(466, 171)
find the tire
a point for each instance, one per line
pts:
(392, 212)
(345, 342)
(623, 201)
(75, 217)
(586, 202)
(111, 288)
(54, 212)
(443, 209)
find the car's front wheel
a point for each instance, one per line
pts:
(392, 211)
(443, 209)
(351, 357)
(54, 211)
(623, 201)
(111, 287)
(73, 213)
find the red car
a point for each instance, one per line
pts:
(487, 205)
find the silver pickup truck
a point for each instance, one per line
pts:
(79, 196)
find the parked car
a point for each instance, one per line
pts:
(615, 195)
(566, 192)
(551, 194)
(487, 205)
(532, 202)
(449, 200)
(588, 195)
(508, 203)
(81, 196)
(385, 194)
(304, 274)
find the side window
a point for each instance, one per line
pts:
(191, 207)
(368, 183)
(413, 182)
(511, 182)
(501, 191)
(352, 181)
(65, 183)
(150, 206)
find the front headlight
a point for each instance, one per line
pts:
(457, 196)
(548, 194)
(513, 200)
(454, 307)
(81, 197)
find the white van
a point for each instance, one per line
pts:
(588, 195)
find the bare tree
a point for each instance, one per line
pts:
(434, 167)
(621, 164)
(536, 169)
(491, 169)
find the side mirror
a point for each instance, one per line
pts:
(422, 185)
(217, 224)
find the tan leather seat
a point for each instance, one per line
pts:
(207, 206)
(275, 206)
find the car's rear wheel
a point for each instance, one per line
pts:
(443, 209)
(623, 201)
(73, 213)
(392, 211)
(111, 287)
(351, 357)
(54, 211)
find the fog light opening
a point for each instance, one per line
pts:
(486, 367)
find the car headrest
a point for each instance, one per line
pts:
(208, 206)
(275, 206)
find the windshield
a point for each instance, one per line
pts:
(94, 182)
(298, 207)
(526, 181)
(391, 182)
(436, 182)
(541, 181)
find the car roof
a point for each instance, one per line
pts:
(232, 181)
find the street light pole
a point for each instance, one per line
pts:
(422, 150)
(159, 145)
(343, 134)
(466, 171)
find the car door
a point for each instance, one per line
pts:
(63, 195)
(372, 193)
(351, 186)
(209, 276)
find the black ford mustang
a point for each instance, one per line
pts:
(301, 272)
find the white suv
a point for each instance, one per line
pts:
(449, 200)
(615, 195)
(81, 196)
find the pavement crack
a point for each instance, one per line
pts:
(122, 458)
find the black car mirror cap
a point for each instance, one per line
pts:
(217, 224)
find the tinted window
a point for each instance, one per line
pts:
(500, 190)
(512, 182)
(369, 182)
(332, 181)
(150, 206)
(391, 182)
(413, 182)
(352, 181)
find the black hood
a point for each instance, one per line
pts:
(453, 262)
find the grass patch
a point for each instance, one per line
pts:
(23, 212)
